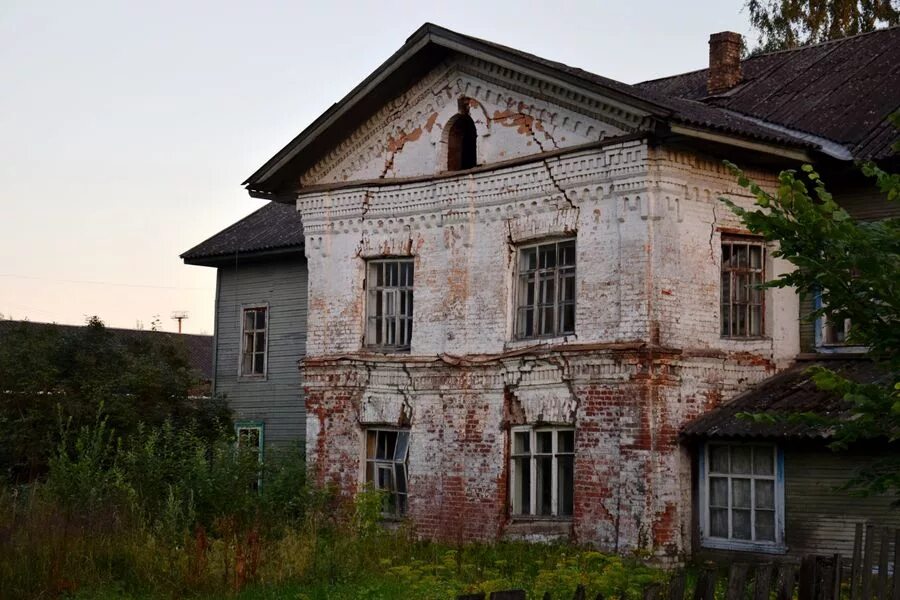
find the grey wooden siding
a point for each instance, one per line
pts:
(866, 203)
(819, 517)
(277, 400)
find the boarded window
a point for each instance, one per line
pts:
(387, 451)
(743, 271)
(254, 344)
(542, 471)
(461, 142)
(390, 304)
(546, 290)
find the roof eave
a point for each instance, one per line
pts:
(707, 135)
(220, 260)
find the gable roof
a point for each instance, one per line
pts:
(842, 90)
(431, 43)
(775, 399)
(273, 229)
(199, 348)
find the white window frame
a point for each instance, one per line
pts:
(514, 509)
(733, 305)
(766, 546)
(822, 329)
(519, 306)
(243, 346)
(257, 426)
(390, 464)
(395, 295)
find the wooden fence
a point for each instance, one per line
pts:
(867, 575)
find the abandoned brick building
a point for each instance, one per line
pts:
(523, 289)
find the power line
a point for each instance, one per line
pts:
(109, 283)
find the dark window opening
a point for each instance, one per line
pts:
(461, 144)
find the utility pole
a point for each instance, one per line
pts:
(180, 315)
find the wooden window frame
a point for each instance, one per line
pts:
(397, 503)
(532, 456)
(776, 546)
(731, 307)
(243, 350)
(537, 276)
(400, 295)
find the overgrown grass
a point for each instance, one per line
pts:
(169, 514)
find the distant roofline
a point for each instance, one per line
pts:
(111, 329)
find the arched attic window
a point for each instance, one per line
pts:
(461, 140)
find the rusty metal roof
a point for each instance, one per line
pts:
(788, 393)
(274, 228)
(842, 90)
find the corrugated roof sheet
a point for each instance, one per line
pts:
(273, 227)
(790, 392)
(199, 347)
(842, 90)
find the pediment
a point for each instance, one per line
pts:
(394, 123)
(407, 137)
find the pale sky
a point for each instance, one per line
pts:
(126, 127)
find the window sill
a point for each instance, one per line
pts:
(539, 528)
(748, 338)
(248, 378)
(381, 350)
(540, 341)
(743, 545)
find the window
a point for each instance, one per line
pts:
(743, 270)
(253, 352)
(742, 495)
(546, 290)
(461, 142)
(835, 333)
(250, 439)
(386, 467)
(250, 436)
(390, 304)
(542, 472)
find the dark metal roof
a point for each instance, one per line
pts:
(199, 347)
(842, 90)
(790, 392)
(274, 228)
(431, 43)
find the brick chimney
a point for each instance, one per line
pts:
(724, 62)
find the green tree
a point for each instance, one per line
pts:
(137, 379)
(784, 24)
(855, 268)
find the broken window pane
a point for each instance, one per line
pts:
(386, 467)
